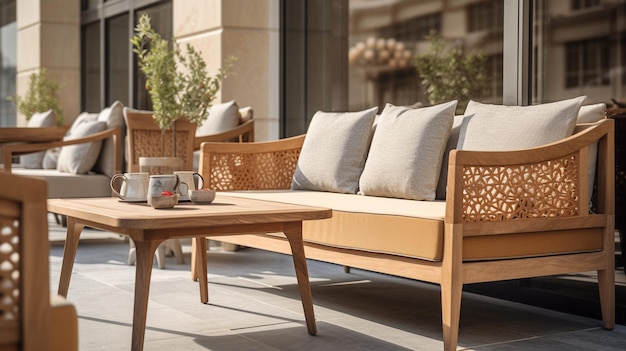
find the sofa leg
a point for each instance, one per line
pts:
(346, 269)
(606, 286)
(450, 313)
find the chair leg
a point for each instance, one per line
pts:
(175, 247)
(172, 245)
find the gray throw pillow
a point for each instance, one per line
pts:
(405, 157)
(80, 158)
(113, 116)
(38, 120)
(334, 151)
(503, 128)
(51, 157)
(453, 139)
(222, 117)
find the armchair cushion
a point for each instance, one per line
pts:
(38, 119)
(334, 151)
(80, 158)
(222, 117)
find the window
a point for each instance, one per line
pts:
(494, 70)
(583, 4)
(587, 63)
(109, 67)
(486, 15)
(8, 62)
(414, 29)
(91, 76)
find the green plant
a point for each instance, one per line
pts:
(185, 91)
(41, 96)
(449, 74)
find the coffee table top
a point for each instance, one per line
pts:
(223, 211)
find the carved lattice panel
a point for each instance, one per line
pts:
(9, 271)
(147, 143)
(546, 189)
(258, 171)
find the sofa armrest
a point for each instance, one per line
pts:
(243, 132)
(250, 166)
(538, 183)
(17, 149)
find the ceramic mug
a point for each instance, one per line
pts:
(188, 182)
(134, 186)
(162, 182)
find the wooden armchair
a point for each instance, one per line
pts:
(144, 139)
(30, 318)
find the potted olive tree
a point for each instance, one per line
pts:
(176, 80)
(40, 96)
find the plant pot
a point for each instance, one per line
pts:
(160, 165)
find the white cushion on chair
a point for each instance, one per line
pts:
(222, 117)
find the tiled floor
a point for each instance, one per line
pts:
(254, 305)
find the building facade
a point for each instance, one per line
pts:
(295, 57)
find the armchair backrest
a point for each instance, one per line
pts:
(266, 165)
(144, 139)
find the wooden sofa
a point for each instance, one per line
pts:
(530, 218)
(89, 172)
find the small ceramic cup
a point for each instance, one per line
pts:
(188, 182)
(162, 182)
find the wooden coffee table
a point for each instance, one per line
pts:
(148, 228)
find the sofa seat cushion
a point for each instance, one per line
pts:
(374, 224)
(413, 228)
(67, 185)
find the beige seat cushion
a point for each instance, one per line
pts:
(412, 228)
(66, 185)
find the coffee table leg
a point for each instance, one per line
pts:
(69, 254)
(199, 247)
(293, 232)
(145, 257)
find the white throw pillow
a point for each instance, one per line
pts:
(222, 117)
(38, 120)
(80, 158)
(502, 128)
(51, 158)
(334, 151)
(407, 148)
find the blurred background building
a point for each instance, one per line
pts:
(299, 56)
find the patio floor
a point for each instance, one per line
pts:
(254, 305)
